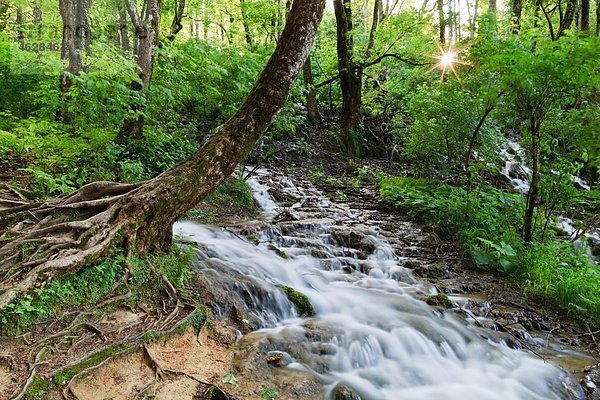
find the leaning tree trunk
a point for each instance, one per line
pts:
(146, 32)
(65, 235)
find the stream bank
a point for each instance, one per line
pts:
(368, 273)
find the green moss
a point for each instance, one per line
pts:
(64, 376)
(439, 299)
(300, 301)
(432, 271)
(38, 389)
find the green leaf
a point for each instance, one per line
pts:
(230, 379)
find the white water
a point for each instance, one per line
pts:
(383, 342)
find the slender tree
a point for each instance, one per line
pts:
(77, 231)
(76, 38)
(312, 107)
(442, 21)
(350, 73)
(584, 16)
(146, 34)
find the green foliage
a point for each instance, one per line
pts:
(234, 191)
(229, 379)
(93, 284)
(487, 227)
(269, 394)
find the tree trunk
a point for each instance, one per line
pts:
(492, 7)
(122, 32)
(442, 20)
(146, 32)
(376, 12)
(597, 18)
(567, 19)
(139, 217)
(532, 193)
(350, 73)
(584, 17)
(76, 37)
(176, 25)
(517, 10)
(312, 107)
(246, 24)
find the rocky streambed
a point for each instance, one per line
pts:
(345, 299)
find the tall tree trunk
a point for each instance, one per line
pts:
(37, 17)
(567, 19)
(597, 18)
(584, 17)
(376, 12)
(146, 31)
(516, 9)
(532, 193)
(312, 107)
(139, 217)
(122, 31)
(19, 23)
(442, 20)
(492, 7)
(176, 25)
(76, 37)
(246, 24)
(350, 73)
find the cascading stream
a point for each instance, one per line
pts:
(370, 332)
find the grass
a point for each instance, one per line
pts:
(487, 227)
(88, 287)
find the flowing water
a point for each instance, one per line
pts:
(370, 331)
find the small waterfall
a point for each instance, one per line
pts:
(370, 332)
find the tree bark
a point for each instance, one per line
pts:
(312, 107)
(376, 12)
(122, 31)
(246, 24)
(139, 217)
(442, 20)
(532, 193)
(350, 74)
(567, 19)
(76, 37)
(176, 25)
(584, 16)
(146, 32)
(516, 9)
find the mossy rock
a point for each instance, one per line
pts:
(300, 301)
(440, 300)
(430, 271)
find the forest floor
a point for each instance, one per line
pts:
(141, 352)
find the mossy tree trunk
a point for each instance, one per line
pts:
(65, 235)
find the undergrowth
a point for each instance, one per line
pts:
(487, 225)
(94, 284)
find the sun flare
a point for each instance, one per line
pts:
(447, 60)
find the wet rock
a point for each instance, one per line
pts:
(300, 301)
(440, 300)
(324, 349)
(343, 392)
(279, 358)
